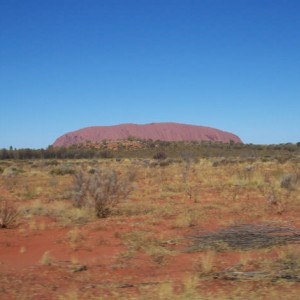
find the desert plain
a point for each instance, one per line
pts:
(161, 227)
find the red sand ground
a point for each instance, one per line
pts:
(100, 249)
(22, 271)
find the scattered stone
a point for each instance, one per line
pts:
(80, 268)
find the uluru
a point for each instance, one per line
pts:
(153, 131)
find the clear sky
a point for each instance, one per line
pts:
(229, 64)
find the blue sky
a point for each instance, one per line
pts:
(67, 64)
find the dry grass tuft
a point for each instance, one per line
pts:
(46, 259)
(8, 214)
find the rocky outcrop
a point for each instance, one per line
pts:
(153, 131)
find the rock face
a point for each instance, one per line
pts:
(153, 131)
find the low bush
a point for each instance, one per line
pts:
(63, 170)
(290, 181)
(160, 155)
(12, 171)
(103, 190)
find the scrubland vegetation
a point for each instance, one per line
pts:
(158, 221)
(136, 148)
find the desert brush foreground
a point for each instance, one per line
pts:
(137, 228)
